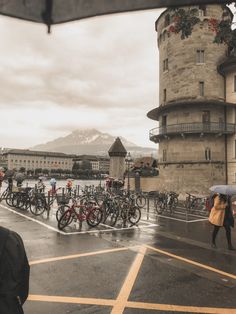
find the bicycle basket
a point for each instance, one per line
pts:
(62, 199)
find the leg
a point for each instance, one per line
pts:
(228, 236)
(214, 234)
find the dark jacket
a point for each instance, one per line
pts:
(13, 269)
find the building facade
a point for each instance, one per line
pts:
(98, 163)
(197, 106)
(32, 160)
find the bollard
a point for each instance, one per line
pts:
(48, 204)
(81, 216)
(186, 213)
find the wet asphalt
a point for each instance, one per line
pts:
(178, 270)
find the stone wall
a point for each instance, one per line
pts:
(195, 179)
(230, 92)
(191, 149)
(181, 81)
(117, 167)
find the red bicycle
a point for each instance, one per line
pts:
(89, 212)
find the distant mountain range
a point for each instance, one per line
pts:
(91, 142)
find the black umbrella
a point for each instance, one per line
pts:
(60, 11)
(9, 174)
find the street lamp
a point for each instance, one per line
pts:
(128, 161)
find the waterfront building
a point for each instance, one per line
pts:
(31, 160)
(197, 105)
(97, 163)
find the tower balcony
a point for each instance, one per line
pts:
(191, 128)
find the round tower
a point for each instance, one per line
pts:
(193, 109)
(228, 69)
(117, 154)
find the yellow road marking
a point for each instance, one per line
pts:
(122, 300)
(179, 308)
(189, 261)
(130, 304)
(59, 299)
(125, 291)
(65, 257)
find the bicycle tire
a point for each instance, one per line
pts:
(112, 217)
(37, 206)
(157, 205)
(94, 217)
(15, 201)
(3, 195)
(65, 220)
(134, 215)
(61, 210)
(141, 201)
(9, 199)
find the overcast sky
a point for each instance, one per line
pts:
(96, 73)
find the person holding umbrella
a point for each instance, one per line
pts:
(221, 216)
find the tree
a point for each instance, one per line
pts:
(38, 171)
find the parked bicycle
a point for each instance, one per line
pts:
(80, 212)
(196, 204)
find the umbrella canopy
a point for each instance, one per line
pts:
(9, 174)
(61, 11)
(20, 177)
(224, 189)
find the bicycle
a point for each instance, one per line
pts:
(194, 203)
(167, 201)
(92, 214)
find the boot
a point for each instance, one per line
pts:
(230, 247)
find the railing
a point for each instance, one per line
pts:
(195, 127)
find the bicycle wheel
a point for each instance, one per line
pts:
(174, 202)
(9, 198)
(112, 217)
(134, 215)
(94, 217)
(65, 220)
(38, 206)
(158, 205)
(141, 201)
(16, 200)
(3, 195)
(61, 210)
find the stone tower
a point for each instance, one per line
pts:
(196, 113)
(117, 154)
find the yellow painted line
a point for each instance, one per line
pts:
(179, 308)
(130, 304)
(60, 299)
(189, 261)
(61, 258)
(125, 291)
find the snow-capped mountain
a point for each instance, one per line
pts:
(91, 141)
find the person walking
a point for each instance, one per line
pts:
(53, 184)
(40, 185)
(2, 174)
(221, 215)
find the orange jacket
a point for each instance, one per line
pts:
(217, 213)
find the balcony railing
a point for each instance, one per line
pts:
(196, 127)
